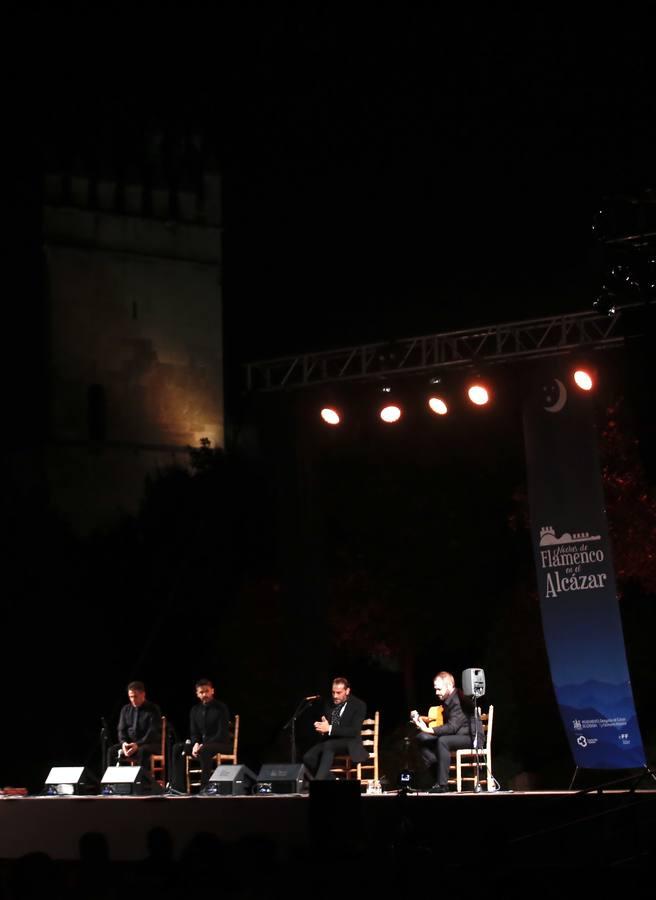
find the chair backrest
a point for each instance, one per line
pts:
(158, 760)
(163, 745)
(370, 732)
(487, 718)
(233, 730)
(488, 727)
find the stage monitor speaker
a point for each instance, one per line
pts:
(128, 780)
(65, 781)
(281, 778)
(473, 682)
(227, 781)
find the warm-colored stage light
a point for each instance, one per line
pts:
(583, 379)
(438, 406)
(330, 415)
(478, 394)
(390, 414)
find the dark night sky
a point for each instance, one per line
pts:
(389, 171)
(392, 171)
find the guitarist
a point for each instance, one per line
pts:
(454, 733)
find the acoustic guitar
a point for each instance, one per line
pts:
(435, 717)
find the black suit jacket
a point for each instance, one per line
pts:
(208, 724)
(459, 718)
(349, 727)
(148, 724)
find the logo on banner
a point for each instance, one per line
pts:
(565, 560)
(554, 395)
(582, 741)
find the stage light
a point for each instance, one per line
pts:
(583, 379)
(438, 406)
(330, 415)
(436, 396)
(388, 410)
(390, 413)
(605, 304)
(478, 394)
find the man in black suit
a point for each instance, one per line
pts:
(139, 729)
(208, 734)
(460, 725)
(341, 731)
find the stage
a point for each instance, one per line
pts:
(519, 830)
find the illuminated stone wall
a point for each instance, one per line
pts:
(135, 336)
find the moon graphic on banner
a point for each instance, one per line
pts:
(555, 396)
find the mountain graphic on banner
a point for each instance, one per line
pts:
(598, 694)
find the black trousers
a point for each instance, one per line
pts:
(435, 751)
(319, 758)
(205, 758)
(141, 757)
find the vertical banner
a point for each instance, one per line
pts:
(575, 575)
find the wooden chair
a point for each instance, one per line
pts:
(193, 770)
(343, 765)
(465, 759)
(158, 760)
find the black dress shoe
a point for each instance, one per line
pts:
(438, 789)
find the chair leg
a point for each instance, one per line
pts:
(458, 775)
(190, 770)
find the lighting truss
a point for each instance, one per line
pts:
(494, 344)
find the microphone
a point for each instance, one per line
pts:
(314, 697)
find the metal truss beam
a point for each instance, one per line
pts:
(494, 344)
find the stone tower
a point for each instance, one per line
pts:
(132, 244)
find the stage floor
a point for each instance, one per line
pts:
(555, 828)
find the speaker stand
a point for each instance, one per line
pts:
(477, 777)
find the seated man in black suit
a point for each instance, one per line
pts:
(208, 735)
(139, 729)
(340, 728)
(459, 727)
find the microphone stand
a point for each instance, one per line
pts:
(171, 740)
(302, 706)
(104, 745)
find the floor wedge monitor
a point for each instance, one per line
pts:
(128, 780)
(65, 781)
(281, 778)
(230, 781)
